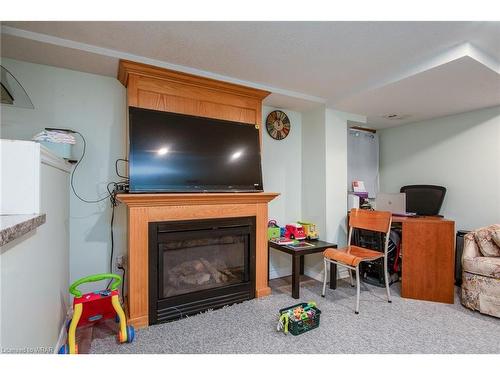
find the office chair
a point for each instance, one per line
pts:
(351, 256)
(425, 200)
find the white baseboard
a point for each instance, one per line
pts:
(277, 272)
(342, 273)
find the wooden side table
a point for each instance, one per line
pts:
(298, 261)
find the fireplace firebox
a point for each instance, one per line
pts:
(196, 265)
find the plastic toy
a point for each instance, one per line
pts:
(294, 231)
(283, 323)
(92, 307)
(310, 230)
(273, 230)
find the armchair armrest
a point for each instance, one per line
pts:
(471, 249)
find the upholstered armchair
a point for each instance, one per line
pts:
(481, 270)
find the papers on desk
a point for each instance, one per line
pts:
(292, 244)
(282, 241)
(300, 245)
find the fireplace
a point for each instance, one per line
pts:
(196, 265)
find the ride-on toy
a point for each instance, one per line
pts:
(92, 307)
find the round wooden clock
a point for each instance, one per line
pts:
(278, 125)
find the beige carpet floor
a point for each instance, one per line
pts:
(405, 326)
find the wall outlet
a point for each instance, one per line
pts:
(120, 261)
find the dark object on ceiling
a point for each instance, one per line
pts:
(12, 93)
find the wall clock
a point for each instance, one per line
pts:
(278, 125)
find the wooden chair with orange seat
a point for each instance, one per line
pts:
(351, 256)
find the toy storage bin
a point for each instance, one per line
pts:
(299, 327)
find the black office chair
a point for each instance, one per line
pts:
(425, 200)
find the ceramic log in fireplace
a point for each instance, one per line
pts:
(195, 265)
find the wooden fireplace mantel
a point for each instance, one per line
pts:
(160, 89)
(176, 199)
(146, 208)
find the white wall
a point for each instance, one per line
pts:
(460, 152)
(35, 273)
(281, 167)
(313, 168)
(324, 178)
(96, 106)
(336, 174)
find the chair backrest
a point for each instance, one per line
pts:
(424, 199)
(377, 221)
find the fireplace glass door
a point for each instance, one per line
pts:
(196, 265)
(203, 260)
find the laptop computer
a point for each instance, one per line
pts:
(393, 202)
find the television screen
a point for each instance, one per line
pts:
(170, 152)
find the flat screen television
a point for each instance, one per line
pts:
(171, 152)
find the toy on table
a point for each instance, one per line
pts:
(276, 234)
(310, 230)
(273, 230)
(299, 318)
(92, 307)
(294, 231)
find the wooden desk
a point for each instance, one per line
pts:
(428, 258)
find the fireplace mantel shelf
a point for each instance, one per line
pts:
(184, 199)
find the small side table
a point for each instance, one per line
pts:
(298, 262)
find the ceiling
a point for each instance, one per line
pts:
(414, 70)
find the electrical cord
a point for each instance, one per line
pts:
(116, 168)
(123, 283)
(114, 203)
(73, 175)
(76, 166)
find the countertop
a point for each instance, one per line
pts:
(14, 226)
